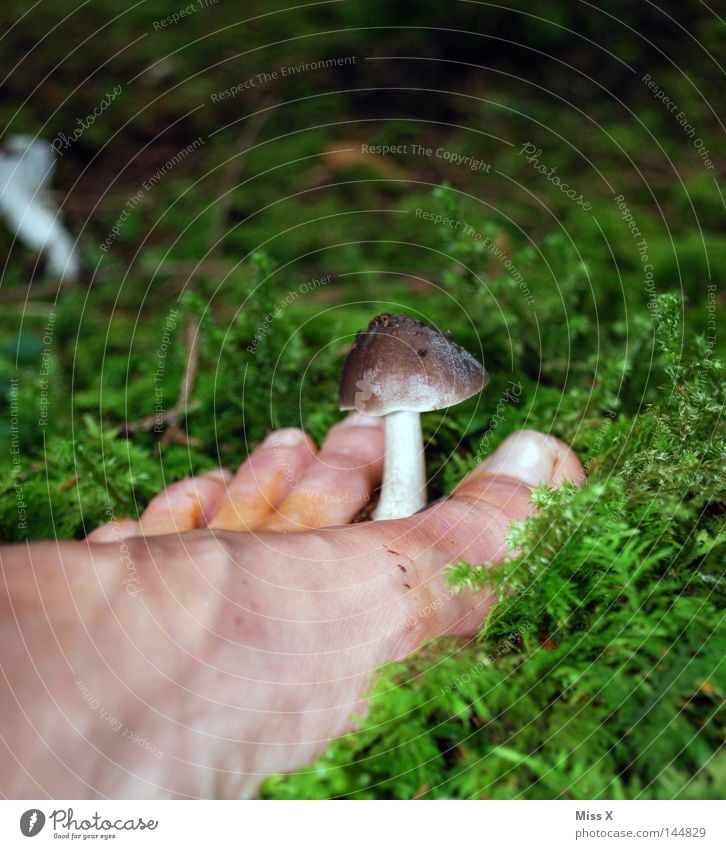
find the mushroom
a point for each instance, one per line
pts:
(399, 368)
(26, 170)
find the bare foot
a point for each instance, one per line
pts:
(176, 656)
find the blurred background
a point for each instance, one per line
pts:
(248, 184)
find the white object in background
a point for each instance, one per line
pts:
(26, 169)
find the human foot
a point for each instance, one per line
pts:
(240, 654)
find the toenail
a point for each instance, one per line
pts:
(222, 475)
(527, 455)
(285, 437)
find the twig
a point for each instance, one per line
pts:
(190, 372)
(171, 417)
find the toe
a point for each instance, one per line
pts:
(263, 481)
(115, 530)
(339, 482)
(499, 492)
(532, 458)
(185, 505)
(472, 526)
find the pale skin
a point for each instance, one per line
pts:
(236, 628)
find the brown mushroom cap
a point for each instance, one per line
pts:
(400, 364)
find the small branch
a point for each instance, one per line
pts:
(191, 334)
(170, 419)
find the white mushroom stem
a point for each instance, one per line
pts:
(404, 470)
(26, 169)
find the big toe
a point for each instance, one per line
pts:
(472, 525)
(530, 457)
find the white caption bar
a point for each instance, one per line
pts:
(422, 824)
